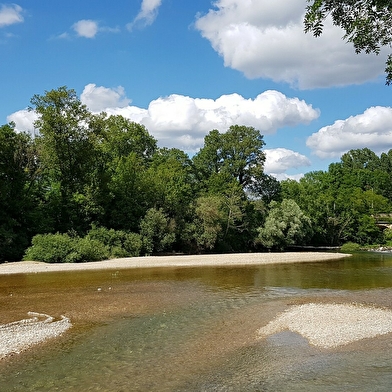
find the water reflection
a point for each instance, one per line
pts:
(193, 329)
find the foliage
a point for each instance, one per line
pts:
(367, 24)
(17, 199)
(285, 225)
(120, 243)
(104, 179)
(350, 247)
(207, 225)
(157, 231)
(236, 154)
(62, 248)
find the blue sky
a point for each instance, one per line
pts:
(183, 68)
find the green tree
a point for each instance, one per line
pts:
(207, 225)
(285, 225)
(236, 155)
(17, 207)
(367, 24)
(157, 231)
(65, 149)
(128, 193)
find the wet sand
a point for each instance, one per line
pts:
(235, 259)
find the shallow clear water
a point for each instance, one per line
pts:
(194, 329)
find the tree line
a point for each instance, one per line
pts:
(91, 186)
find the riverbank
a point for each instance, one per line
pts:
(215, 260)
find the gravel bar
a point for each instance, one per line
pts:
(233, 259)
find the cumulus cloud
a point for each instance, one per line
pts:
(24, 120)
(86, 28)
(372, 129)
(266, 39)
(279, 160)
(10, 14)
(147, 14)
(98, 99)
(182, 122)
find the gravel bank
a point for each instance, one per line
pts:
(20, 335)
(236, 259)
(331, 325)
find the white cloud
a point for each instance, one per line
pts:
(279, 160)
(24, 120)
(147, 14)
(266, 39)
(372, 129)
(285, 176)
(10, 14)
(86, 28)
(101, 98)
(182, 122)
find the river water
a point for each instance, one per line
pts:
(195, 329)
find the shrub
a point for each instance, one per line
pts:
(61, 248)
(85, 249)
(50, 248)
(350, 247)
(120, 243)
(133, 244)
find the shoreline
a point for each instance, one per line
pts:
(209, 260)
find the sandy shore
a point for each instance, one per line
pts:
(236, 259)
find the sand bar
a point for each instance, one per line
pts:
(332, 325)
(236, 259)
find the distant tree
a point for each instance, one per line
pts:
(157, 231)
(367, 24)
(236, 155)
(65, 149)
(207, 226)
(285, 225)
(16, 199)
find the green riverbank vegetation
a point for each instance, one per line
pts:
(92, 186)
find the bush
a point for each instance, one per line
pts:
(133, 244)
(50, 248)
(99, 244)
(61, 248)
(120, 243)
(350, 247)
(85, 249)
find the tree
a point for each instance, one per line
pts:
(234, 155)
(157, 231)
(66, 150)
(17, 204)
(285, 225)
(206, 227)
(367, 24)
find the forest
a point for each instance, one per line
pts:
(93, 186)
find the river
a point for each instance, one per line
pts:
(195, 329)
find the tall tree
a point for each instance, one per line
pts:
(234, 155)
(367, 24)
(65, 148)
(16, 198)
